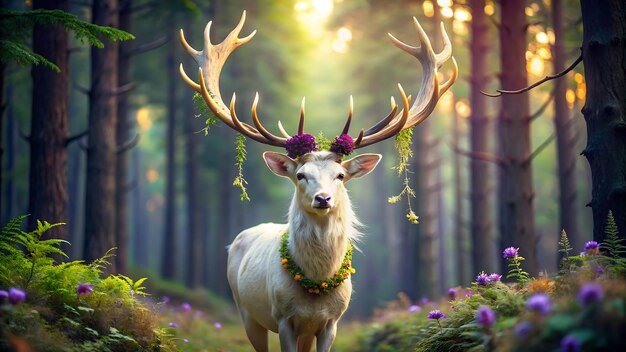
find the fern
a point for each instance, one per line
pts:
(565, 248)
(14, 33)
(612, 243)
(135, 287)
(99, 264)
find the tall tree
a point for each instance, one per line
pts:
(565, 137)
(480, 208)
(102, 146)
(604, 55)
(124, 78)
(169, 258)
(515, 193)
(49, 125)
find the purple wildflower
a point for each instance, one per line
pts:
(186, 307)
(424, 301)
(570, 343)
(592, 247)
(300, 144)
(4, 295)
(165, 300)
(452, 293)
(435, 314)
(218, 325)
(343, 144)
(510, 252)
(186, 340)
(485, 316)
(590, 293)
(16, 295)
(172, 325)
(414, 309)
(598, 269)
(482, 279)
(469, 294)
(84, 289)
(539, 302)
(523, 329)
(494, 277)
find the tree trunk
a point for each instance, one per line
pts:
(141, 231)
(2, 108)
(11, 136)
(515, 194)
(49, 127)
(123, 125)
(460, 234)
(482, 240)
(101, 149)
(565, 139)
(169, 257)
(195, 251)
(604, 55)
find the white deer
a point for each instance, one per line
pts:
(295, 279)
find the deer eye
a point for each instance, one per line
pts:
(341, 177)
(300, 176)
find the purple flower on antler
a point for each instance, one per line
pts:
(300, 144)
(343, 145)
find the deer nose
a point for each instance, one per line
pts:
(322, 200)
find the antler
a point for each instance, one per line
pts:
(427, 97)
(211, 60)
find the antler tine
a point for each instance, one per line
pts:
(260, 127)
(390, 129)
(195, 86)
(301, 123)
(282, 130)
(190, 50)
(346, 127)
(384, 122)
(446, 52)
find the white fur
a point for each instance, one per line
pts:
(268, 298)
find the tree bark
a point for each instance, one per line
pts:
(102, 147)
(49, 127)
(565, 137)
(482, 240)
(460, 234)
(169, 257)
(122, 135)
(515, 194)
(604, 55)
(8, 211)
(195, 251)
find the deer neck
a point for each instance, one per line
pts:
(318, 244)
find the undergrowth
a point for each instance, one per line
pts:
(71, 306)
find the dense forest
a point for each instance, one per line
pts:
(99, 131)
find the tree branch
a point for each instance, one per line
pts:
(482, 156)
(128, 145)
(140, 49)
(79, 87)
(124, 89)
(76, 137)
(543, 107)
(540, 82)
(539, 149)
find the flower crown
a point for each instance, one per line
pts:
(304, 143)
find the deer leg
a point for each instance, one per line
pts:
(257, 334)
(287, 336)
(305, 343)
(326, 336)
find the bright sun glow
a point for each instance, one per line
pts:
(143, 119)
(429, 9)
(313, 13)
(536, 66)
(344, 34)
(462, 15)
(447, 12)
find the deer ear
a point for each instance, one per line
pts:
(361, 165)
(280, 164)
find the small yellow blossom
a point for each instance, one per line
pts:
(352, 271)
(298, 277)
(284, 261)
(324, 285)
